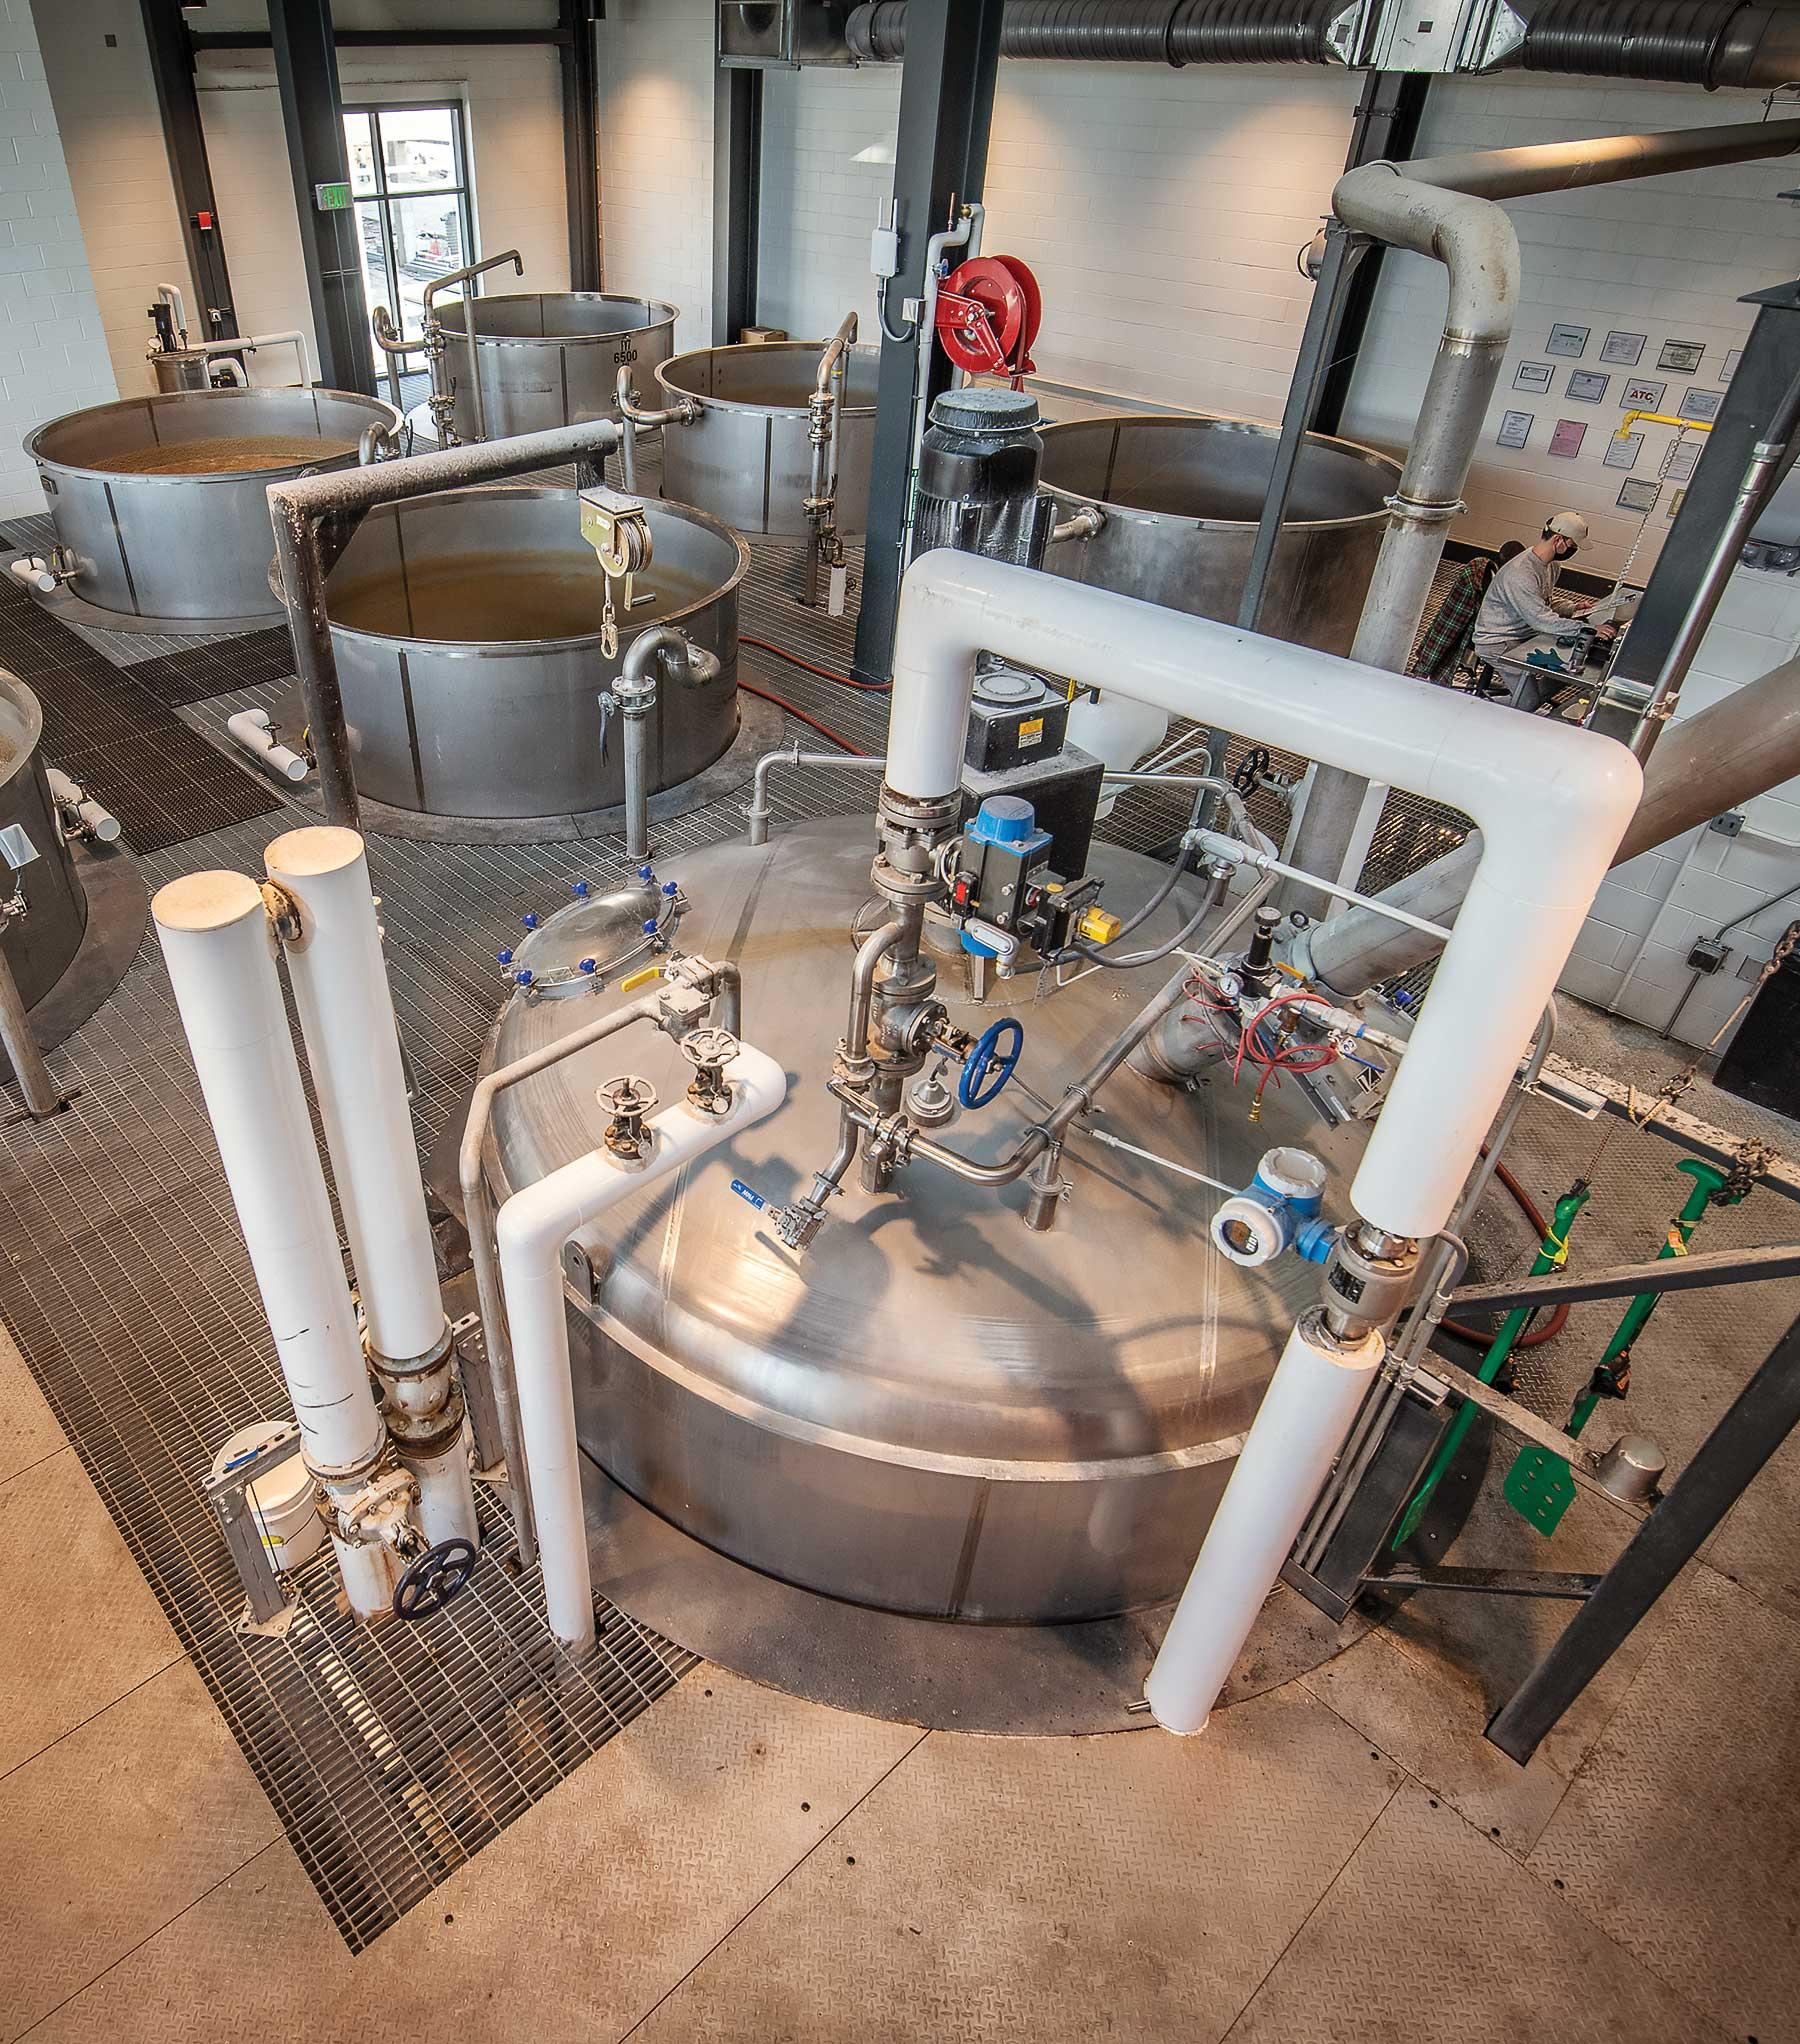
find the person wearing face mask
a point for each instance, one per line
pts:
(1521, 609)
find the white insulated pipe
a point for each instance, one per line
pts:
(1551, 801)
(292, 337)
(1299, 1427)
(252, 730)
(346, 1011)
(94, 817)
(532, 1228)
(219, 948)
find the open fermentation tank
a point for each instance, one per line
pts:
(160, 503)
(934, 1410)
(549, 358)
(467, 633)
(747, 457)
(1182, 497)
(40, 945)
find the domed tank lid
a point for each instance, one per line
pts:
(980, 409)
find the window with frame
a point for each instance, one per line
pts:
(409, 178)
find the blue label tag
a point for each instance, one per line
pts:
(745, 1192)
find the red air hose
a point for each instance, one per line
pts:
(1558, 1319)
(871, 688)
(824, 730)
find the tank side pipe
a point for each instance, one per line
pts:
(1445, 207)
(758, 814)
(332, 942)
(465, 276)
(1527, 784)
(660, 648)
(219, 950)
(533, 1226)
(1734, 749)
(299, 509)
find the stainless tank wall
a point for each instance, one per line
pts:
(551, 358)
(41, 944)
(934, 1410)
(467, 634)
(189, 546)
(747, 458)
(1182, 496)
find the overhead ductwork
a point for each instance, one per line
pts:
(1712, 43)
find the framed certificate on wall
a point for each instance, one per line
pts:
(1638, 496)
(1586, 386)
(1566, 437)
(1627, 350)
(1515, 429)
(1533, 375)
(1567, 340)
(1681, 355)
(1623, 449)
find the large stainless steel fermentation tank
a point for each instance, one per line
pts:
(747, 457)
(467, 633)
(934, 1410)
(160, 504)
(1182, 496)
(548, 358)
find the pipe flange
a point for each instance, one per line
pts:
(380, 1513)
(426, 1436)
(396, 1369)
(1420, 512)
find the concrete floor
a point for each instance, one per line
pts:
(1342, 1858)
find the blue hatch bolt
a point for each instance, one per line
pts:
(578, 888)
(588, 965)
(523, 975)
(504, 954)
(529, 919)
(646, 873)
(671, 889)
(650, 926)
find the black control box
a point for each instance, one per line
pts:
(1014, 719)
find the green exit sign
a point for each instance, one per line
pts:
(332, 198)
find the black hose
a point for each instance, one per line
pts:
(1673, 42)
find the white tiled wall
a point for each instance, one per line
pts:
(1632, 950)
(52, 347)
(1667, 258)
(656, 126)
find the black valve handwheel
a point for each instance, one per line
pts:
(1250, 770)
(434, 1577)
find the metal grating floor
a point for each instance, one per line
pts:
(391, 1756)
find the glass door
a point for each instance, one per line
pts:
(410, 182)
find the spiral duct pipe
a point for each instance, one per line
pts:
(1174, 32)
(1714, 43)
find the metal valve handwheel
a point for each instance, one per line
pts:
(434, 1577)
(988, 1068)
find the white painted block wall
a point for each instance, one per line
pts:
(656, 130)
(53, 355)
(1666, 257)
(513, 109)
(1631, 954)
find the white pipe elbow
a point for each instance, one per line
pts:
(252, 730)
(530, 1231)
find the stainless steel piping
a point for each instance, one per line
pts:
(299, 511)
(464, 276)
(661, 647)
(683, 412)
(1447, 208)
(1729, 752)
(758, 814)
(387, 339)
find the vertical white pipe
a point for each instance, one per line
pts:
(531, 1230)
(347, 1015)
(218, 946)
(1287, 1454)
(352, 1044)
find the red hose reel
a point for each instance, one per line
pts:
(988, 313)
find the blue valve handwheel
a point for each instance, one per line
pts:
(988, 1068)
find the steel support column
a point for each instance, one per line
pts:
(312, 112)
(1764, 1413)
(1386, 126)
(178, 101)
(1770, 362)
(737, 199)
(940, 159)
(579, 66)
